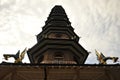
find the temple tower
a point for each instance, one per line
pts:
(57, 43)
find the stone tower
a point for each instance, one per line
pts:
(57, 43)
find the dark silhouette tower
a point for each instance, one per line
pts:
(57, 43)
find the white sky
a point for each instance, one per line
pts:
(97, 22)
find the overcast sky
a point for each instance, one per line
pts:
(97, 22)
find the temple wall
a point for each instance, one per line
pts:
(59, 72)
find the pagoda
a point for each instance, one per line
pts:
(57, 55)
(57, 43)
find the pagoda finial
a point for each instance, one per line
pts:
(58, 10)
(57, 17)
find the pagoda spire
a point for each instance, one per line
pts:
(57, 18)
(57, 21)
(57, 10)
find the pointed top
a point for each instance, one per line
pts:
(58, 10)
(57, 17)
